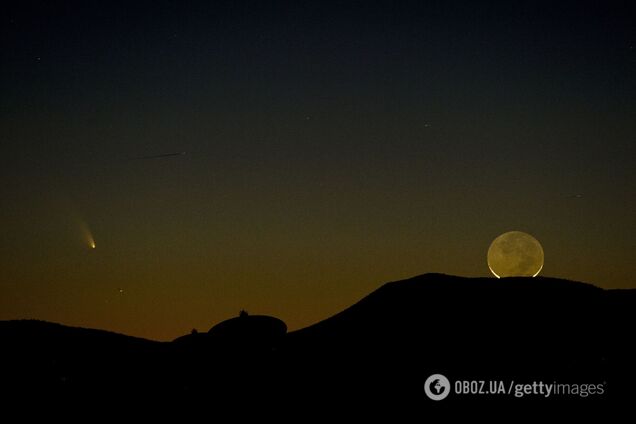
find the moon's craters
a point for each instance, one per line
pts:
(515, 254)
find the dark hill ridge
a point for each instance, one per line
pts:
(33, 331)
(451, 297)
(384, 346)
(440, 308)
(39, 357)
(473, 328)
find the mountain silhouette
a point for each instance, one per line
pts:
(244, 331)
(473, 328)
(39, 357)
(381, 348)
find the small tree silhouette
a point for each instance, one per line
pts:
(243, 314)
(194, 331)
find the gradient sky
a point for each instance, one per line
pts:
(330, 147)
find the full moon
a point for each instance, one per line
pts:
(515, 254)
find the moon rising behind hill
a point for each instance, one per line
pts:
(515, 254)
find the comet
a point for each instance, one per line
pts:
(87, 235)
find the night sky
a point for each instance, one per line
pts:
(321, 149)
